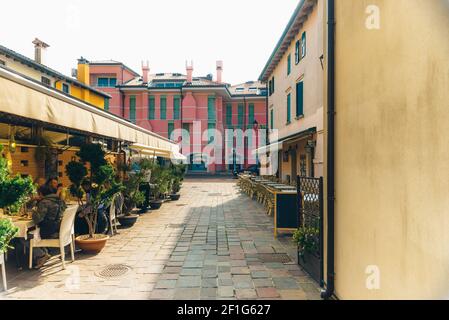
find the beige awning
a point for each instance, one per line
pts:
(274, 147)
(26, 98)
(172, 154)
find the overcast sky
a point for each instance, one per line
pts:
(242, 33)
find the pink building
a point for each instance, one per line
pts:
(187, 109)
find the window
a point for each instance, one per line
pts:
(106, 82)
(24, 149)
(289, 64)
(299, 99)
(297, 51)
(163, 107)
(229, 114)
(65, 88)
(269, 88)
(272, 85)
(45, 81)
(24, 163)
(241, 118)
(289, 107)
(251, 115)
(171, 128)
(271, 119)
(177, 108)
(106, 104)
(151, 108)
(132, 109)
(239, 89)
(303, 165)
(211, 108)
(211, 132)
(303, 45)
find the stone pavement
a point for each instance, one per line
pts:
(204, 246)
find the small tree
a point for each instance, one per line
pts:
(14, 190)
(100, 176)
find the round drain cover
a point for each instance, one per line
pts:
(113, 271)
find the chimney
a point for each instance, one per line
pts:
(219, 71)
(189, 69)
(39, 50)
(145, 71)
(83, 74)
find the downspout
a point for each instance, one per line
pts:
(330, 286)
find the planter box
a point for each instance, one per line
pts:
(311, 264)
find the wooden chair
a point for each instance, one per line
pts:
(66, 237)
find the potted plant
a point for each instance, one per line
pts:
(101, 177)
(160, 179)
(133, 197)
(7, 232)
(14, 190)
(177, 173)
(307, 239)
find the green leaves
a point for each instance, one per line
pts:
(76, 171)
(307, 239)
(14, 190)
(7, 233)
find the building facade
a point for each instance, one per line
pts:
(197, 112)
(78, 88)
(294, 77)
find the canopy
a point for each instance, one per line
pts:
(27, 98)
(158, 152)
(274, 147)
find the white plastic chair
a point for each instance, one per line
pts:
(113, 216)
(66, 237)
(2, 263)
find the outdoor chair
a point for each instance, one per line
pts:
(2, 263)
(66, 237)
(269, 201)
(116, 204)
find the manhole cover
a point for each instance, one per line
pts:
(113, 271)
(274, 257)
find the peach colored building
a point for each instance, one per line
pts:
(168, 103)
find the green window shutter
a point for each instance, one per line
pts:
(171, 128)
(151, 108)
(289, 108)
(271, 119)
(299, 99)
(211, 108)
(132, 109)
(163, 107)
(251, 115)
(229, 114)
(289, 64)
(106, 104)
(177, 108)
(303, 45)
(297, 49)
(241, 119)
(211, 134)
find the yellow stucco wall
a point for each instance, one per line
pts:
(83, 94)
(392, 154)
(76, 91)
(309, 71)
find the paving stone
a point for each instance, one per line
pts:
(261, 283)
(226, 291)
(260, 274)
(189, 281)
(285, 283)
(267, 293)
(246, 294)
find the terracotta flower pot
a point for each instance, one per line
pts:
(91, 245)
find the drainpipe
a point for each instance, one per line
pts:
(267, 138)
(330, 286)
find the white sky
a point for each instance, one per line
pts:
(242, 33)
